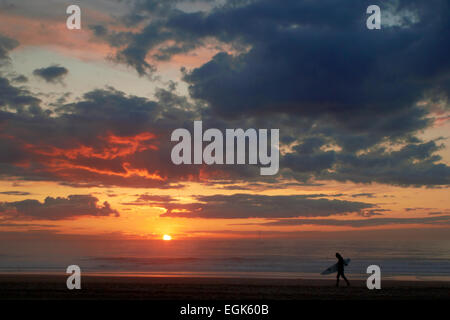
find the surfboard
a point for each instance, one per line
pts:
(333, 268)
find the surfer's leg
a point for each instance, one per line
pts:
(348, 283)
(337, 279)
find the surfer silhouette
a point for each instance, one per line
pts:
(340, 269)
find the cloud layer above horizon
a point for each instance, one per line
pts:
(352, 105)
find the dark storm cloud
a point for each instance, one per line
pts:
(6, 45)
(57, 208)
(308, 59)
(154, 198)
(51, 74)
(373, 222)
(108, 138)
(15, 193)
(364, 194)
(336, 90)
(437, 212)
(333, 86)
(25, 225)
(414, 164)
(146, 199)
(15, 97)
(242, 206)
(20, 79)
(373, 212)
(114, 39)
(99, 30)
(154, 34)
(105, 139)
(418, 208)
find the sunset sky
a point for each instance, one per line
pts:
(86, 117)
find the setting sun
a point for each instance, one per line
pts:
(166, 237)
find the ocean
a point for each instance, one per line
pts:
(249, 258)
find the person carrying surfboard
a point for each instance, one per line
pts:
(340, 269)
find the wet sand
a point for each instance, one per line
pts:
(53, 287)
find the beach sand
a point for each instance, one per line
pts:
(49, 287)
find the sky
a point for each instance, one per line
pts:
(86, 117)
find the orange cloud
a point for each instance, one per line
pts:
(128, 171)
(440, 121)
(115, 147)
(113, 157)
(51, 33)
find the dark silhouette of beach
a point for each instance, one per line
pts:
(49, 287)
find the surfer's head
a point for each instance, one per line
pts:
(337, 255)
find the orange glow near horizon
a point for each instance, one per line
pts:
(144, 221)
